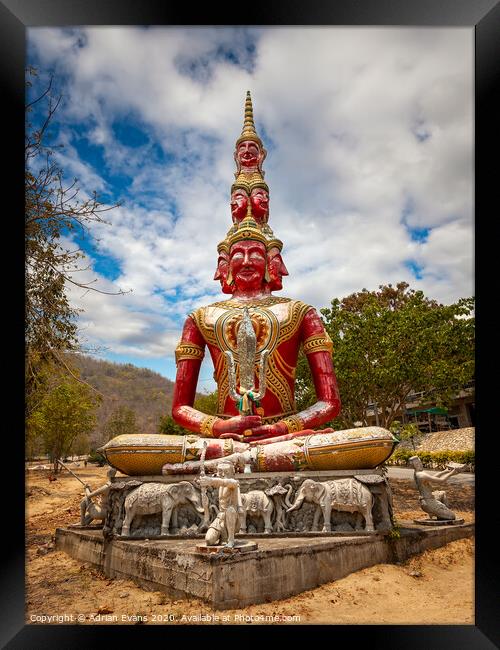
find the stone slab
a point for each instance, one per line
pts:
(243, 477)
(438, 522)
(278, 569)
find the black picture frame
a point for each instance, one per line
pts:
(481, 15)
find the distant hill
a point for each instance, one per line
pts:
(123, 384)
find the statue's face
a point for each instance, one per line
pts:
(222, 271)
(277, 269)
(259, 198)
(248, 264)
(239, 204)
(224, 471)
(248, 154)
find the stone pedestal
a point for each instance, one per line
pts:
(439, 522)
(149, 526)
(279, 568)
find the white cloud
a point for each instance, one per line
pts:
(361, 124)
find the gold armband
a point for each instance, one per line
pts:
(186, 350)
(207, 426)
(293, 423)
(318, 343)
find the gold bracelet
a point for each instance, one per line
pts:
(207, 426)
(318, 343)
(187, 350)
(293, 423)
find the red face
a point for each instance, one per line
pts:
(239, 204)
(277, 270)
(248, 154)
(221, 272)
(248, 264)
(259, 198)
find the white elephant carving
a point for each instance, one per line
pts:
(257, 504)
(150, 498)
(347, 495)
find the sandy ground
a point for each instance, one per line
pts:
(435, 587)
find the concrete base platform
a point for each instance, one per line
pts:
(439, 522)
(279, 568)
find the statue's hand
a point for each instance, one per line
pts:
(269, 431)
(233, 436)
(238, 424)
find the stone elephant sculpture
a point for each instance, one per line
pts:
(150, 498)
(347, 495)
(258, 504)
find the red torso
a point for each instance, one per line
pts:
(281, 326)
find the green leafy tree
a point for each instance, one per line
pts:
(391, 343)
(121, 421)
(64, 417)
(53, 208)
(403, 432)
(168, 425)
(207, 403)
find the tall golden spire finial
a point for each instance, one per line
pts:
(248, 132)
(248, 123)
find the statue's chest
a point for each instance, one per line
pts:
(272, 326)
(265, 323)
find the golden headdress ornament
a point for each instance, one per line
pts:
(247, 229)
(247, 182)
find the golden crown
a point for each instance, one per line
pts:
(249, 229)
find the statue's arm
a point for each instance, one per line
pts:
(441, 477)
(318, 348)
(100, 490)
(215, 481)
(189, 355)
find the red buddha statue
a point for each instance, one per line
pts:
(281, 325)
(253, 339)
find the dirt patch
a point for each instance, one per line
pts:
(435, 587)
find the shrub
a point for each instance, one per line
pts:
(434, 459)
(95, 457)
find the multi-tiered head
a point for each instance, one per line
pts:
(250, 208)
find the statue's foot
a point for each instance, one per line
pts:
(181, 468)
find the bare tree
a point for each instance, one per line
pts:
(53, 208)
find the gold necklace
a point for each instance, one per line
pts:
(262, 302)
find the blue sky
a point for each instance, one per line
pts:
(369, 133)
